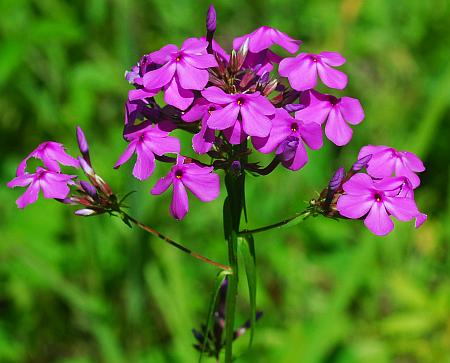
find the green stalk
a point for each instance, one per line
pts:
(233, 207)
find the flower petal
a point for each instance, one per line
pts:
(337, 129)
(216, 95)
(311, 133)
(359, 184)
(404, 209)
(191, 77)
(30, 195)
(354, 206)
(163, 55)
(378, 220)
(223, 118)
(205, 187)
(331, 77)
(176, 96)
(162, 184)
(352, 110)
(159, 77)
(179, 205)
(253, 122)
(127, 154)
(145, 162)
(332, 58)
(304, 76)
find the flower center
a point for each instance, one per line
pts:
(333, 100)
(378, 197)
(294, 127)
(178, 174)
(240, 101)
(314, 59)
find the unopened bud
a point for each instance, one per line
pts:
(294, 107)
(86, 212)
(86, 167)
(361, 163)
(336, 180)
(88, 188)
(286, 150)
(211, 19)
(83, 145)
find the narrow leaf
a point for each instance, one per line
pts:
(212, 305)
(246, 248)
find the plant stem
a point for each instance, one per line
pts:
(233, 207)
(176, 244)
(272, 226)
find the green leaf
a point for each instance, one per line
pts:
(246, 247)
(212, 306)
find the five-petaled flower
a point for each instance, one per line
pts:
(337, 111)
(52, 184)
(302, 70)
(52, 154)
(146, 143)
(200, 180)
(252, 108)
(288, 136)
(386, 161)
(376, 201)
(182, 70)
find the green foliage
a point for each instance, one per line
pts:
(85, 290)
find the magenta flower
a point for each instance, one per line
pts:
(302, 70)
(386, 161)
(253, 109)
(52, 184)
(288, 137)
(376, 200)
(52, 154)
(203, 141)
(201, 181)
(182, 70)
(338, 111)
(146, 143)
(264, 37)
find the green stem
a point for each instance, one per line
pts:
(176, 244)
(233, 207)
(272, 226)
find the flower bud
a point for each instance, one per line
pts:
(336, 180)
(86, 167)
(88, 188)
(83, 145)
(211, 19)
(286, 150)
(294, 107)
(86, 212)
(361, 163)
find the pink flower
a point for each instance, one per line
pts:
(302, 70)
(337, 111)
(146, 143)
(183, 70)
(52, 184)
(201, 181)
(52, 154)
(203, 141)
(264, 37)
(288, 137)
(386, 161)
(377, 201)
(253, 109)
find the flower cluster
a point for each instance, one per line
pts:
(387, 189)
(227, 100)
(235, 105)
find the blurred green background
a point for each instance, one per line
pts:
(84, 290)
